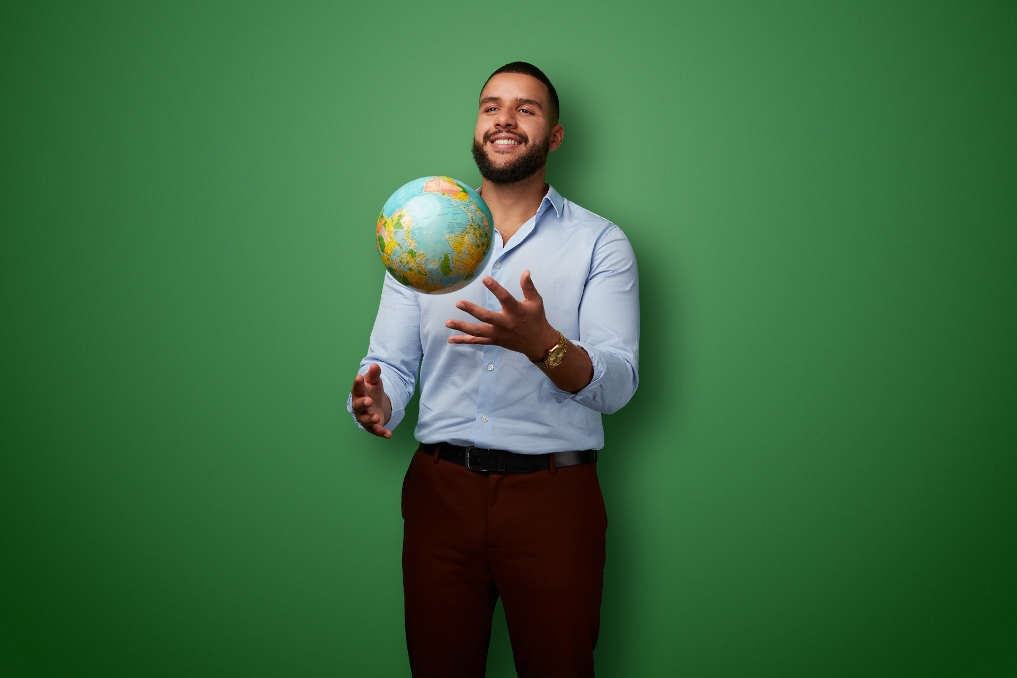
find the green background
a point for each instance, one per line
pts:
(817, 476)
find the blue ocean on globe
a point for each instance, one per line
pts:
(435, 234)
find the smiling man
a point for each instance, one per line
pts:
(501, 498)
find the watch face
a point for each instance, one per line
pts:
(555, 354)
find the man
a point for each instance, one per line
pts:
(502, 498)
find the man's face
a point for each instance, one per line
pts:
(515, 131)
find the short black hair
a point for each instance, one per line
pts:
(529, 69)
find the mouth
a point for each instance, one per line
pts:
(505, 141)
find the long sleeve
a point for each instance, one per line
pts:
(609, 326)
(395, 346)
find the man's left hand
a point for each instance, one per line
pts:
(520, 326)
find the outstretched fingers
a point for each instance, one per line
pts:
(478, 312)
(529, 289)
(366, 408)
(474, 329)
(467, 339)
(508, 302)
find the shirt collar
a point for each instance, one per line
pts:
(554, 198)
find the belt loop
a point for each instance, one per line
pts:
(550, 464)
(501, 462)
(437, 449)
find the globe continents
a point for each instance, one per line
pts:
(435, 234)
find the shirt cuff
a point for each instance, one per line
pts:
(599, 369)
(397, 412)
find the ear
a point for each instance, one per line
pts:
(557, 135)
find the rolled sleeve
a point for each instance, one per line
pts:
(609, 327)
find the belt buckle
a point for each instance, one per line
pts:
(478, 468)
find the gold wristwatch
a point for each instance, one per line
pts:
(555, 355)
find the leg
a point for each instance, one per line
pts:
(547, 533)
(448, 587)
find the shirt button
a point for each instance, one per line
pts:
(490, 367)
(483, 419)
(498, 265)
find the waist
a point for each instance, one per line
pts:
(548, 428)
(483, 460)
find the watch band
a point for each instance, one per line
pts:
(555, 354)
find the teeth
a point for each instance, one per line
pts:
(506, 142)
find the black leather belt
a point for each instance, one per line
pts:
(484, 460)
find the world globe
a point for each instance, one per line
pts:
(435, 235)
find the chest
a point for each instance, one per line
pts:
(559, 267)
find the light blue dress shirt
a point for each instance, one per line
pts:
(487, 396)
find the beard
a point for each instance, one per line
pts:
(524, 167)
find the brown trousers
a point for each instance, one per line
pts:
(535, 539)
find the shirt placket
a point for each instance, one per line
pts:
(482, 425)
(492, 355)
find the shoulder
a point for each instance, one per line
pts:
(590, 225)
(580, 218)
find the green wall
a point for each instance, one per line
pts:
(817, 477)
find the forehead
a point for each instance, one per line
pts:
(508, 86)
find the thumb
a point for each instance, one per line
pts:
(529, 289)
(373, 375)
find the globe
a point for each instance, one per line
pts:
(435, 235)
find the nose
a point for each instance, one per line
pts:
(505, 118)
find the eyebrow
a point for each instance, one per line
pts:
(532, 102)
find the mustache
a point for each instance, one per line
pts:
(522, 137)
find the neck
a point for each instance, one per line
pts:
(512, 204)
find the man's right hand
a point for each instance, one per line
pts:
(371, 406)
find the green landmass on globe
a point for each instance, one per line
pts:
(435, 235)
